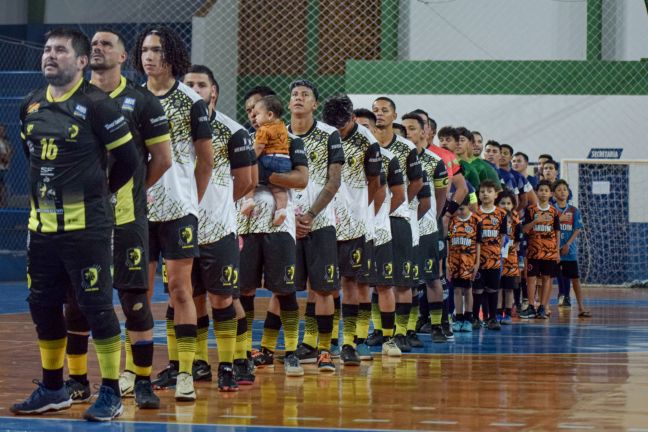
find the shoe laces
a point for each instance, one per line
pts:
(102, 395)
(36, 393)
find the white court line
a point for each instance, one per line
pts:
(638, 430)
(305, 418)
(439, 422)
(574, 426)
(371, 421)
(238, 416)
(418, 408)
(505, 424)
(175, 415)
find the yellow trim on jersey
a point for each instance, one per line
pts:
(473, 198)
(74, 216)
(125, 207)
(120, 88)
(66, 96)
(22, 135)
(33, 220)
(441, 183)
(48, 219)
(121, 141)
(158, 139)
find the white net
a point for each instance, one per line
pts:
(611, 195)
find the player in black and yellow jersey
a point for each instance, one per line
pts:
(68, 129)
(173, 200)
(150, 130)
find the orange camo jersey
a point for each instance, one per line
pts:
(493, 227)
(543, 237)
(511, 264)
(463, 236)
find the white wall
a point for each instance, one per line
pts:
(13, 12)
(563, 126)
(119, 11)
(625, 26)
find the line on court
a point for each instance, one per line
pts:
(439, 422)
(238, 416)
(506, 424)
(574, 426)
(305, 418)
(418, 408)
(371, 420)
(638, 430)
(175, 415)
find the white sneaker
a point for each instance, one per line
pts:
(185, 388)
(127, 383)
(390, 348)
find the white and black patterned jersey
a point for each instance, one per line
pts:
(363, 160)
(435, 177)
(232, 149)
(323, 148)
(263, 214)
(392, 175)
(175, 194)
(405, 151)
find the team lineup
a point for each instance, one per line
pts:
(383, 228)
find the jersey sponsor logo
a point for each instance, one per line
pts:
(186, 236)
(461, 241)
(73, 132)
(429, 265)
(329, 273)
(289, 274)
(80, 111)
(356, 257)
(114, 125)
(129, 104)
(407, 269)
(543, 228)
(90, 278)
(490, 233)
(415, 271)
(157, 120)
(566, 227)
(388, 270)
(229, 275)
(32, 108)
(134, 258)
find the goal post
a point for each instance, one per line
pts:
(612, 195)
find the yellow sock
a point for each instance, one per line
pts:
(52, 353)
(109, 356)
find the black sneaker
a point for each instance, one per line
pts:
(167, 378)
(79, 392)
(413, 339)
(528, 313)
(401, 343)
(349, 356)
(476, 323)
(419, 325)
(437, 335)
(243, 372)
(226, 380)
(425, 328)
(201, 371)
(447, 331)
(306, 354)
(263, 358)
(541, 313)
(144, 396)
(375, 338)
(567, 302)
(493, 324)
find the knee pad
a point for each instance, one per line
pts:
(490, 290)
(478, 291)
(137, 310)
(75, 320)
(49, 321)
(103, 321)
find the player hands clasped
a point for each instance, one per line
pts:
(272, 149)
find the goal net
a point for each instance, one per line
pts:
(612, 197)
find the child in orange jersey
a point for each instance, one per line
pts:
(510, 268)
(464, 233)
(493, 228)
(542, 225)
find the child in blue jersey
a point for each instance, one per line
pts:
(571, 225)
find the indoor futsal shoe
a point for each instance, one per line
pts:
(226, 379)
(145, 398)
(107, 406)
(185, 391)
(78, 391)
(127, 383)
(43, 400)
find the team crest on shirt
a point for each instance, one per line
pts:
(429, 264)
(356, 257)
(186, 237)
(90, 278)
(494, 220)
(134, 258)
(80, 111)
(314, 156)
(352, 161)
(329, 273)
(388, 270)
(469, 229)
(129, 104)
(229, 275)
(289, 274)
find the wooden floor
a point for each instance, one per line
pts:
(564, 373)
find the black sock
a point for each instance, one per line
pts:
(53, 378)
(508, 311)
(492, 305)
(477, 302)
(142, 357)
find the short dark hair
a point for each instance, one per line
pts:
(448, 131)
(414, 116)
(551, 162)
(524, 155)
(506, 193)
(463, 132)
(273, 104)
(80, 42)
(432, 123)
(419, 111)
(337, 110)
(173, 47)
(386, 99)
(544, 182)
(507, 146)
(401, 128)
(365, 113)
(305, 83)
(477, 133)
(120, 35)
(560, 182)
(545, 156)
(493, 143)
(489, 184)
(202, 69)
(260, 90)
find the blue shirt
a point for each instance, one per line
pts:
(570, 220)
(533, 180)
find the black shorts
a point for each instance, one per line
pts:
(384, 265)
(130, 256)
(487, 279)
(428, 257)
(74, 262)
(369, 277)
(351, 259)
(569, 269)
(461, 283)
(403, 252)
(542, 268)
(316, 261)
(176, 239)
(509, 283)
(217, 269)
(268, 258)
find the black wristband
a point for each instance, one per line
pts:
(452, 207)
